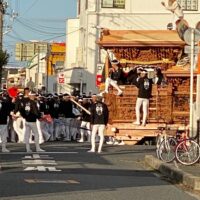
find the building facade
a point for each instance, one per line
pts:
(36, 71)
(13, 77)
(55, 65)
(94, 15)
(45, 61)
(72, 60)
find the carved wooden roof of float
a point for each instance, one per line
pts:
(163, 38)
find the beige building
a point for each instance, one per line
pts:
(13, 77)
(36, 71)
(93, 15)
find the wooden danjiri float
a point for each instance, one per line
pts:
(169, 102)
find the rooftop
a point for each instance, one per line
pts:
(165, 38)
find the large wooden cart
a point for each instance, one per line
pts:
(169, 103)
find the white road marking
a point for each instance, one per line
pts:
(37, 156)
(41, 153)
(39, 162)
(42, 169)
(36, 163)
(51, 181)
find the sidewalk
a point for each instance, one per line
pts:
(186, 175)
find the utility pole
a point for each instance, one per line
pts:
(38, 68)
(192, 85)
(2, 12)
(48, 66)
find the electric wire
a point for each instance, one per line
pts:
(30, 22)
(19, 36)
(35, 29)
(63, 34)
(29, 8)
(13, 37)
(34, 25)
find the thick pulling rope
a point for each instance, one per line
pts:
(87, 111)
(167, 61)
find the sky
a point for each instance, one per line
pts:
(43, 20)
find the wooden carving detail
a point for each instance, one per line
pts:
(148, 54)
(181, 102)
(170, 103)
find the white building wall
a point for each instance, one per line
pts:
(72, 41)
(137, 15)
(38, 73)
(72, 59)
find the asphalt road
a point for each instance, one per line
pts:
(67, 172)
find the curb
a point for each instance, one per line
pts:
(177, 175)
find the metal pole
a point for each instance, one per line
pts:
(47, 77)
(81, 83)
(2, 11)
(198, 85)
(198, 123)
(198, 97)
(38, 69)
(191, 83)
(48, 67)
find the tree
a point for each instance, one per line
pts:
(4, 57)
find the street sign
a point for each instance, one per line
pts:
(187, 49)
(187, 36)
(61, 78)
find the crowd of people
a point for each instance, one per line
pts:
(34, 118)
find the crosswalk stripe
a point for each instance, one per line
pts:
(39, 162)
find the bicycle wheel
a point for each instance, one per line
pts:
(159, 140)
(166, 149)
(187, 152)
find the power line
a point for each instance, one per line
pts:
(40, 26)
(64, 34)
(17, 34)
(13, 37)
(55, 37)
(47, 20)
(29, 8)
(35, 29)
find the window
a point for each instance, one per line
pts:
(189, 5)
(113, 3)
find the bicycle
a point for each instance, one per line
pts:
(187, 151)
(166, 144)
(182, 148)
